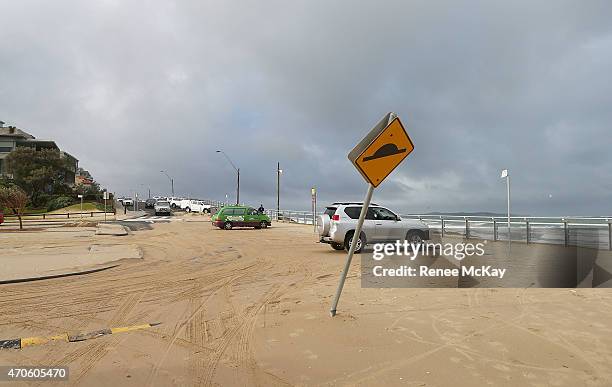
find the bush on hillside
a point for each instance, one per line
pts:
(59, 202)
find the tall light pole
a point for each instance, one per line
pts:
(237, 171)
(278, 173)
(505, 174)
(149, 188)
(171, 181)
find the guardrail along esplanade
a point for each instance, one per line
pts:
(592, 232)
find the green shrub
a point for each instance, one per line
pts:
(59, 202)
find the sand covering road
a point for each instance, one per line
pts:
(250, 307)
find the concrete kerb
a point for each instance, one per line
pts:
(65, 337)
(130, 215)
(53, 276)
(113, 229)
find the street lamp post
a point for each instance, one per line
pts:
(278, 173)
(238, 173)
(505, 174)
(171, 181)
(149, 188)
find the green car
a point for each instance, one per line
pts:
(229, 217)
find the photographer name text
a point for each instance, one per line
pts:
(425, 271)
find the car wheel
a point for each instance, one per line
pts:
(157, 214)
(263, 224)
(360, 242)
(227, 225)
(414, 237)
(188, 209)
(337, 246)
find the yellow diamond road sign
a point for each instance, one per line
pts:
(382, 150)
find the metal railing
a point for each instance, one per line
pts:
(66, 215)
(43, 219)
(291, 216)
(568, 231)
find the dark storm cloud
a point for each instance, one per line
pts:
(132, 88)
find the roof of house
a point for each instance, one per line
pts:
(24, 138)
(6, 131)
(37, 142)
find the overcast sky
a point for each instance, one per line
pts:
(131, 88)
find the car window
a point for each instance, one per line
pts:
(162, 203)
(228, 211)
(353, 212)
(252, 211)
(370, 214)
(330, 211)
(239, 211)
(384, 214)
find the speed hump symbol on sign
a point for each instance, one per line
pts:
(382, 150)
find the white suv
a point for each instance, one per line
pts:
(337, 226)
(196, 206)
(175, 202)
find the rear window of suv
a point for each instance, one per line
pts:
(353, 212)
(330, 211)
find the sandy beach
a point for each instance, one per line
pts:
(250, 307)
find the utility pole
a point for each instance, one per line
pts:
(278, 173)
(506, 174)
(238, 173)
(171, 181)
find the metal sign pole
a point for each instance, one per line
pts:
(375, 157)
(509, 230)
(349, 258)
(315, 212)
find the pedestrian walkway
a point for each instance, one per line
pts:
(154, 218)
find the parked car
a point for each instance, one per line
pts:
(175, 202)
(229, 217)
(197, 206)
(127, 202)
(162, 207)
(150, 203)
(337, 226)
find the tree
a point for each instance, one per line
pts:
(15, 199)
(37, 171)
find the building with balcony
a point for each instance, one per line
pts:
(12, 137)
